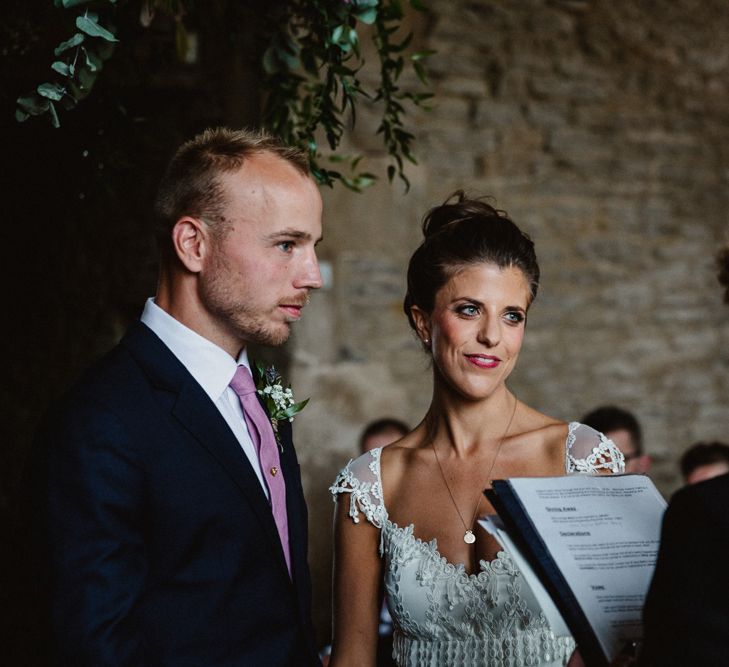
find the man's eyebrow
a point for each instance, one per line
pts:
(291, 233)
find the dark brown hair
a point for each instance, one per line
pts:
(703, 453)
(191, 185)
(383, 425)
(460, 232)
(610, 418)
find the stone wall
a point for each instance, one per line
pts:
(601, 127)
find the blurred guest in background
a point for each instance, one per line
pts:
(704, 460)
(382, 432)
(624, 430)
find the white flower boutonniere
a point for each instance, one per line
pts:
(278, 401)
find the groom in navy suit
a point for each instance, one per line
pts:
(174, 540)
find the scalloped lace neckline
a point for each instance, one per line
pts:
(431, 546)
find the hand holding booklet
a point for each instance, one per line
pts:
(590, 544)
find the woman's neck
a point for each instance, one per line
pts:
(465, 426)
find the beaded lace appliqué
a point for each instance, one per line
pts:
(604, 455)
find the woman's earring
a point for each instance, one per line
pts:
(426, 341)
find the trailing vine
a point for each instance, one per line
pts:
(310, 72)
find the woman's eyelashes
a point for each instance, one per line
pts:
(515, 316)
(468, 310)
(472, 310)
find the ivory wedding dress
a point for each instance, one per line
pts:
(444, 616)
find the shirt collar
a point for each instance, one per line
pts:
(211, 366)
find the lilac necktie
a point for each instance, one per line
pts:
(261, 432)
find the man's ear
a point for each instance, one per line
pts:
(422, 324)
(190, 240)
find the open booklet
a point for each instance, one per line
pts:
(590, 544)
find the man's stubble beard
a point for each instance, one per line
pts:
(233, 312)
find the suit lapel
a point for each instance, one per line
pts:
(199, 416)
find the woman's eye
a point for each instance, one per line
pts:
(468, 310)
(515, 316)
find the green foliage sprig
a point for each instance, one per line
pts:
(79, 60)
(310, 73)
(312, 67)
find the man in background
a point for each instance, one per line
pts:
(381, 433)
(704, 460)
(624, 430)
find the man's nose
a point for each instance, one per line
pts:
(310, 275)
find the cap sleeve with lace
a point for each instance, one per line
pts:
(360, 478)
(589, 451)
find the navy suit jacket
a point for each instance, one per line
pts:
(163, 549)
(686, 614)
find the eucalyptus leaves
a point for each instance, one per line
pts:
(312, 67)
(79, 60)
(310, 71)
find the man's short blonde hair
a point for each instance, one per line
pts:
(191, 184)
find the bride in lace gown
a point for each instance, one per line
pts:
(406, 515)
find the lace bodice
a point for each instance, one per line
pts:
(444, 616)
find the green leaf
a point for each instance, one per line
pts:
(33, 104)
(69, 44)
(368, 17)
(270, 62)
(423, 53)
(51, 90)
(91, 27)
(21, 116)
(294, 409)
(93, 61)
(62, 68)
(86, 79)
(71, 3)
(54, 116)
(420, 71)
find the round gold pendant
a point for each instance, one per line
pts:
(469, 537)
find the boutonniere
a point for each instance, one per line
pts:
(278, 401)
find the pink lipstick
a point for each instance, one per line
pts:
(483, 360)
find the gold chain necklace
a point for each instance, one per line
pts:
(469, 537)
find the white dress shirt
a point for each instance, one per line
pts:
(213, 369)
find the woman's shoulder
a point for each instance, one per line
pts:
(576, 446)
(360, 479)
(590, 451)
(365, 469)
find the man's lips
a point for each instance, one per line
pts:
(483, 360)
(293, 309)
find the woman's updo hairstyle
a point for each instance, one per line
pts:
(460, 232)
